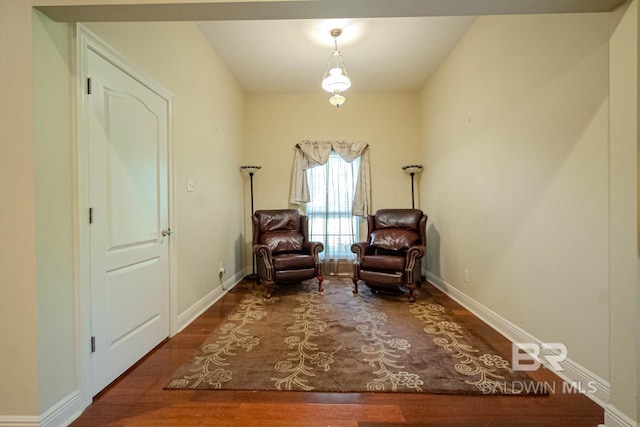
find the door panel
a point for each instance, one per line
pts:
(128, 163)
(131, 298)
(133, 170)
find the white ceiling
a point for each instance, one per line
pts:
(269, 47)
(380, 54)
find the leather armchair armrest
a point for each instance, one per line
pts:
(313, 248)
(263, 251)
(413, 254)
(360, 249)
(264, 259)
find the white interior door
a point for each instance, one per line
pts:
(128, 195)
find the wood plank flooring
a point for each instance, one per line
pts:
(138, 399)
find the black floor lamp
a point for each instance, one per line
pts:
(412, 170)
(251, 170)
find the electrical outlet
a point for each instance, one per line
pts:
(466, 277)
(221, 271)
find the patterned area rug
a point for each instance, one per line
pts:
(340, 342)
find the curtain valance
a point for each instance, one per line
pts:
(309, 154)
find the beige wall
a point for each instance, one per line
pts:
(276, 123)
(388, 122)
(55, 209)
(19, 386)
(516, 179)
(624, 291)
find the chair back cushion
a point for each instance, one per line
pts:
(395, 229)
(395, 239)
(275, 220)
(398, 218)
(280, 230)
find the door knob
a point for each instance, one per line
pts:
(167, 232)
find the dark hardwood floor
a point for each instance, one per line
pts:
(138, 399)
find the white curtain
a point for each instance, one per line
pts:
(332, 187)
(313, 153)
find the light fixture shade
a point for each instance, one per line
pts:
(250, 168)
(337, 100)
(336, 81)
(412, 168)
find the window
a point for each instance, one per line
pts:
(331, 189)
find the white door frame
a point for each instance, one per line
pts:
(88, 40)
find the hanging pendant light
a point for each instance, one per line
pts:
(335, 79)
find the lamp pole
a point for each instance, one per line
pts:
(251, 181)
(413, 205)
(251, 170)
(412, 170)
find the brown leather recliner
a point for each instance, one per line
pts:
(282, 248)
(392, 254)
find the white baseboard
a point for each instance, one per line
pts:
(19, 421)
(64, 412)
(573, 373)
(192, 313)
(614, 418)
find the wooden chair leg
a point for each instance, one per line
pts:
(355, 284)
(412, 287)
(320, 280)
(267, 288)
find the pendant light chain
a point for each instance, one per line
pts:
(335, 79)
